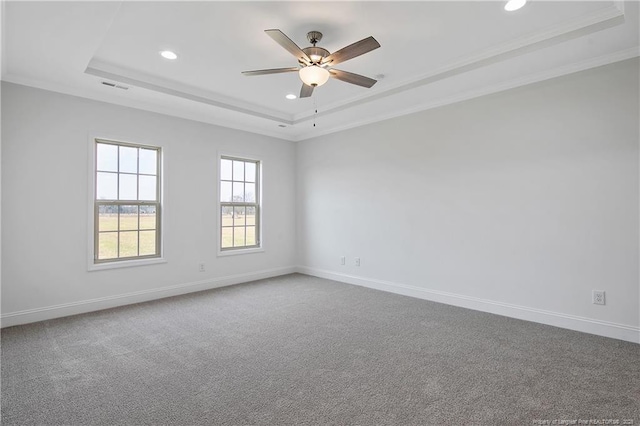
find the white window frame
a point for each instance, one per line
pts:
(232, 251)
(93, 264)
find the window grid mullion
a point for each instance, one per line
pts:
(118, 169)
(96, 230)
(118, 239)
(118, 203)
(158, 223)
(138, 196)
(245, 204)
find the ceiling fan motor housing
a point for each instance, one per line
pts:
(316, 54)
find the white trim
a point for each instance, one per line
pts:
(241, 251)
(91, 182)
(619, 56)
(557, 319)
(113, 72)
(127, 102)
(66, 309)
(127, 263)
(582, 25)
(211, 119)
(587, 24)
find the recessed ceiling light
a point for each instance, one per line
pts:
(291, 96)
(514, 5)
(167, 54)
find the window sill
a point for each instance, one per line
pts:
(125, 264)
(240, 251)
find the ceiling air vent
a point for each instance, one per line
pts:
(114, 85)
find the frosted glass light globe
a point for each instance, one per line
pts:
(314, 75)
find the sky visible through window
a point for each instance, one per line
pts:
(137, 175)
(238, 181)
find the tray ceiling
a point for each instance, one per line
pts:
(433, 53)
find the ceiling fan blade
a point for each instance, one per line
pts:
(352, 78)
(306, 91)
(356, 49)
(288, 44)
(271, 71)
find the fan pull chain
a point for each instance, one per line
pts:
(315, 107)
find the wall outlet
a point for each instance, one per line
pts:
(343, 260)
(357, 261)
(201, 267)
(598, 297)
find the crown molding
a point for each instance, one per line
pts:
(145, 106)
(622, 55)
(234, 114)
(135, 78)
(604, 18)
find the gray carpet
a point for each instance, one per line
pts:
(301, 350)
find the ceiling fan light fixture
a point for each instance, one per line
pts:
(314, 61)
(513, 5)
(314, 75)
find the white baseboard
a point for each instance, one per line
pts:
(83, 306)
(571, 322)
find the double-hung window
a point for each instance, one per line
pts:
(126, 202)
(239, 203)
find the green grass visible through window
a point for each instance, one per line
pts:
(130, 235)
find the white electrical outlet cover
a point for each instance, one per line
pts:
(598, 297)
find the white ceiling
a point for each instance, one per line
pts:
(432, 54)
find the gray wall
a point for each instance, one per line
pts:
(45, 203)
(523, 200)
(519, 203)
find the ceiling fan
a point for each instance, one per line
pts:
(315, 62)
